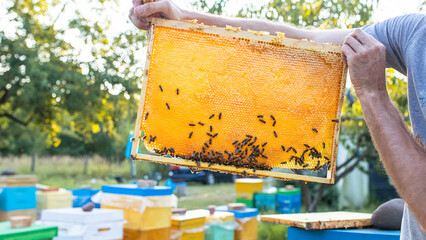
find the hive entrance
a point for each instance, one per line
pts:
(240, 102)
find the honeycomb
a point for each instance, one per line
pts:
(245, 103)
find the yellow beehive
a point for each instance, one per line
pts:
(189, 226)
(54, 199)
(154, 234)
(240, 101)
(246, 229)
(250, 185)
(140, 205)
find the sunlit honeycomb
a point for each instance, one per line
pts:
(240, 102)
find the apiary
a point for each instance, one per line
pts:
(76, 224)
(188, 226)
(241, 102)
(141, 205)
(245, 222)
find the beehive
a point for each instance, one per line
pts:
(244, 102)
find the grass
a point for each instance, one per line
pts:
(200, 196)
(69, 172)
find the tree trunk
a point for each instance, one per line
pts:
(33, 162)
(86, 163)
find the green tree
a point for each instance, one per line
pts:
(47, 88)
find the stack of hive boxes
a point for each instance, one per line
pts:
(245, 222)
(219, 225)
(245, 189)
(17, 196)
(147, 210)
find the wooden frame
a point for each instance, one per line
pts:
(236, 33)
(321, 220)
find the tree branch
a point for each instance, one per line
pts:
(4, 96)
(349, 169)
(314, 205)
(306, 193)
(347, 162)
(11, 117)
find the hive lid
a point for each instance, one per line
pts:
(288, 191)
(44, 232)
(59, 192)
(191, 219)
(18, 180)
(78, 216)
(249, 180)
(216, 217)
(133, 189)
(248, 212)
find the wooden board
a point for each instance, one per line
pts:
(18, 180)
(324, 220)
(174, 132)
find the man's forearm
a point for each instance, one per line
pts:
(404, 160)
(328, 36)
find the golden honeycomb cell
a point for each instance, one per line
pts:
(282, 95)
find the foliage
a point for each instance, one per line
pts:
(49, 92)
(320, 14)
(217, 7)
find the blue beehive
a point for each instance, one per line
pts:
(288, 200)
(17, 198)
(265, 202)
(83, 196)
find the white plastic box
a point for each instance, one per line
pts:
(74, 224)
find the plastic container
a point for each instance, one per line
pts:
(154, 234)
(98, 224)
(248, 185)
(34, 232)
(54, 199)
(265, 202)
(5, 215)
(189, 226)
(219, 226)
(144, 208)
(17, 198)
(82, 196)
(245, 222)
(245, 189)
(288, 200)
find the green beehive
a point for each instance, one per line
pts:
(34, 232)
